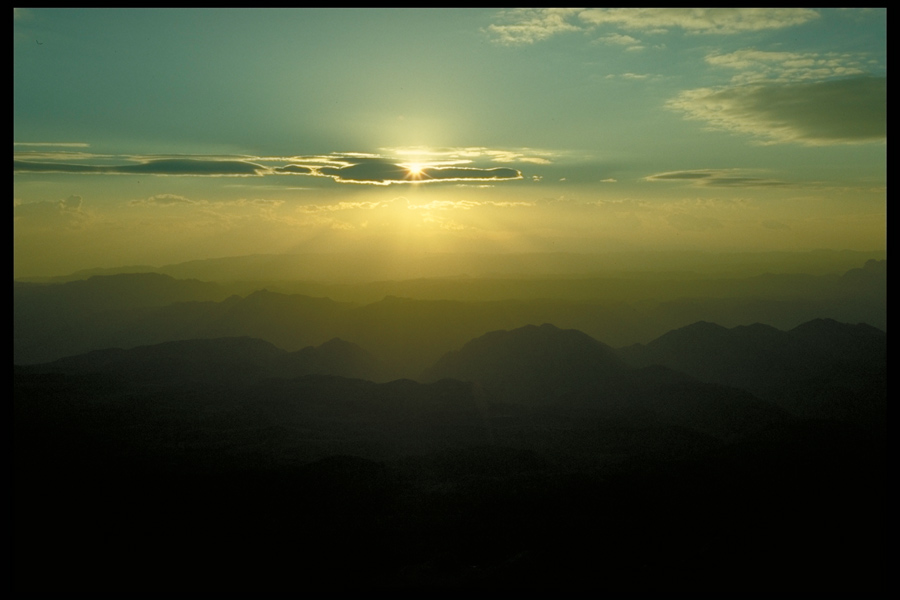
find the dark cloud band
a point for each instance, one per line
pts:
(359, 170)
(177, 166)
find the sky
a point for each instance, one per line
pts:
(156, 136)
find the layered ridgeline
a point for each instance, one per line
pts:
(819, 369)
(226, 463)
(464, 434)
(519, 387)
(411, 324)
(220, 360)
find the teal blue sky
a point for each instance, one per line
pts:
(155, 136)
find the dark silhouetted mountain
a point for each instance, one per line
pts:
(348, 267)
(171, 362)
(199, 455)
(338, 357)
(219, 360)
(871, 277)
(214, 409)
(127, 290)
(529, 363)
(289, 321)
(55, 320)
(567, 376)
(128, 310)
(821, 368)
(49, 331)
(241, 481)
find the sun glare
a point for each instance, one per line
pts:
(415, 170)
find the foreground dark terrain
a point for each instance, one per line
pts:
(742, 459)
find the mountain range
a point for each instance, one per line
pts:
(53, 320)
(436, 447)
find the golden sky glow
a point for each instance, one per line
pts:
(168, 135)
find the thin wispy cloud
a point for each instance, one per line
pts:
(379, 171)
(699, 20)
(354, 168)
(836, 111)
(52, 144)
(618, 39)
(527, 26)
(163, 166)
(793, 97)
(755, 65)
(534, 25)
(67, 213)
(164, 200)
(716, 178)
(342, 206)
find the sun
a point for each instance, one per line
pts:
(414, 170)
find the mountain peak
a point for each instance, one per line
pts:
(531, 361)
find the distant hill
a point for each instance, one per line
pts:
(220, 360)
(349, 267)
(410, 333)
(530, 362)
(821, 368)
(536, 458)
(52, 321)
(555, 370)
(124, 290)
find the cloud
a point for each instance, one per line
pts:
(53, 144)
(835, 111)
(66, 213)
(347, 167)
(464, 155)
(716, 177)
(534, 160)
(339, 206)
(533, 25)
(528, 26)
(259, 202)
(72, 203)
(466, 204)
(446, 205)
(379, 171)
(755, 65)
(618, 39)
(165, 200)
(294, 170)
(193, 166)
(164, 166)
(699, 20)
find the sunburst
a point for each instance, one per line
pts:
(415, 170)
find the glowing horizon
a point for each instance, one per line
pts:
(163, 135)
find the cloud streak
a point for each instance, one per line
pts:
(839, 111)
(350, 167)
(755, 65)
(63, 213)
(715, 178)
(379, 171)
(528, 26)
(166, 166)
(533, 25)
(699, 20)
